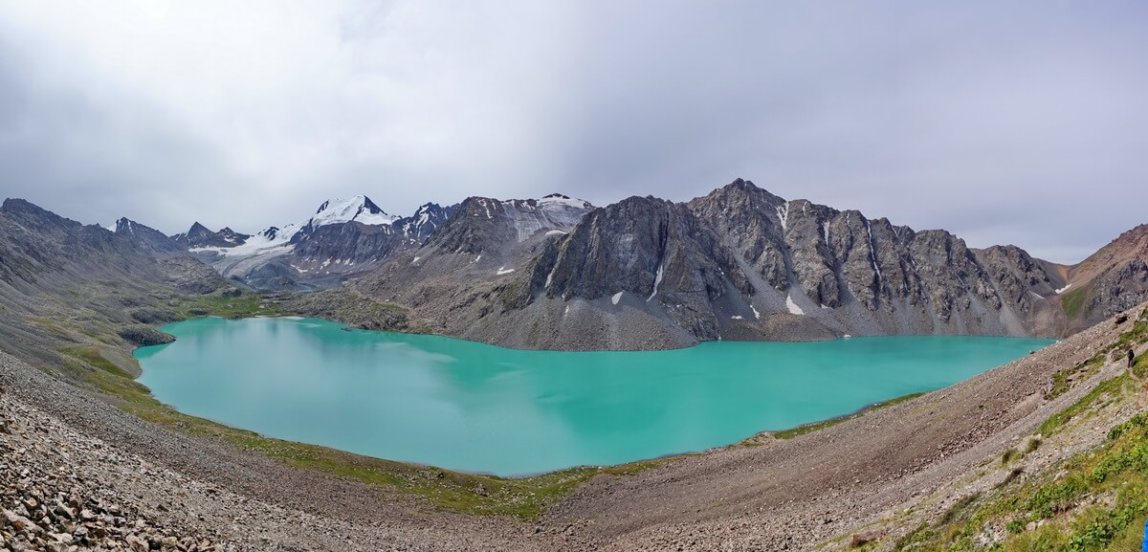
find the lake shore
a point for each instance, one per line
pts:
(426, 399)
(786, 493)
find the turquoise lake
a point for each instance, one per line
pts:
(479, 408)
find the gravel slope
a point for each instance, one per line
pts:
(794, 494)
(782, 495)
(206, 490)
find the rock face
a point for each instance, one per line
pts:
(864, 276)
(646, 251)
(484, 224)
(460, 274)
(199, 236)
(149, 239)
(1112, 280)
(737, 263)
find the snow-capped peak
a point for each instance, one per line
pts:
(564, 200)
(358, 209)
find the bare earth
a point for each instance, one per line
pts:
(782, 495)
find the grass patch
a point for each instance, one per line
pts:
(1113, 388)
(1097, 501)
(1073, 301)
(1033, 445)
(811, 427)
(92, 357)
(1063, 380)
(52, 328)
(958, 508)
(216, 304)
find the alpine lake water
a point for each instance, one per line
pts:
(478, 408)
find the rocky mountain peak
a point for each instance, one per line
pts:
(34, 215)
(651, 248)
(359, 209)
(427, 218)
(199, 236)
(480, 223)
(1113, 279)
(148, 239)
(123, 224)
(198, 229)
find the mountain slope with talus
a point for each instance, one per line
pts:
(1113, 279)
(61, 281)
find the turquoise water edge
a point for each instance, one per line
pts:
(479, 408)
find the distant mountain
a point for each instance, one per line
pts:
(342, 238)
(479, 247)
(557, 272)
(148, 239)
(61, 280)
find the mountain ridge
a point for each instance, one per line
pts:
(737, 263)
(771, 269)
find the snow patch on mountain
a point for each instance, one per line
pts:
(357, 209)
(792, 305)
(555, 212)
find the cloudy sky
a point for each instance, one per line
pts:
(1024, 123)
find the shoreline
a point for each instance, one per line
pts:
(751, 439)
(793, 493)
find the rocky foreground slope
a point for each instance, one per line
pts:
(78, 472)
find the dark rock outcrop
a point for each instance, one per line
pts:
(199, 236)
(149, 239)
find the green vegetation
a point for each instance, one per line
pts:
(1098, 502)
(1094, 501)
(1073, 301)
(91, 356)
(1107, 390)
(1032, 445)
(216, 304)
(810, 428)
(524, 498)
(1063, 379)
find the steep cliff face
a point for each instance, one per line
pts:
(867, 276)
(648, 254)
(1029, 287)
(483, 224)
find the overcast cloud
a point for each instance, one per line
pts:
(1024, 124)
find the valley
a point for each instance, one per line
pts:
(557, 273)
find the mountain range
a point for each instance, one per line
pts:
(643, 273)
